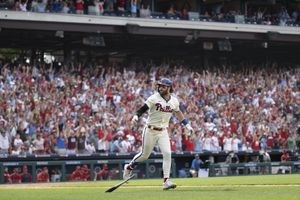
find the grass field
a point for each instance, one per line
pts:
(272, 187)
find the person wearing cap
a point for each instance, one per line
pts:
(15, 176)
(43, 176)
(104, 173)
(86, 173)
(76, 174)
(25, 175)
(195, 166)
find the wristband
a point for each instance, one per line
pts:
(184, 122)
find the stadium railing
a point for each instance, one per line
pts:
(252, 168)
(152, 168)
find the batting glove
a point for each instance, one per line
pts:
(190, 129)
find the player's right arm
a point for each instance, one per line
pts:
(148, 104)
(140, 112)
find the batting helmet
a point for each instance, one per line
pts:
(166, 82)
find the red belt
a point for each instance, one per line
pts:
(155, 128)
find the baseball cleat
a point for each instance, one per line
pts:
(168, 185)
(127, 173)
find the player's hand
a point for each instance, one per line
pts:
(134, 119)
(190, 129)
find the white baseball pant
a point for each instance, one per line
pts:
(150, 139)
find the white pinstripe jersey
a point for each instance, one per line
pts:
(160, 110)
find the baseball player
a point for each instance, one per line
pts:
(160, 107)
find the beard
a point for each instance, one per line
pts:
(162, 92)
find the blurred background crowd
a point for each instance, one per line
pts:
(217, 11)
(87, 108)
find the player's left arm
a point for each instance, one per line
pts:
(179, 115)
(184, 121)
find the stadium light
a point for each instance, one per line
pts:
(59, 34)
(189, 38)
(208, 45)
(264, 45)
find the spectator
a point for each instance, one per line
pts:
(4, 140)
(56, 6)
(81, 142)
(110, 5)
(283, 16)
(215, 146)
(291, 142)
(121, 5)
(43, 176)
(72, 142)
(264, 157)
(18, 144)
(232, 158)
(134, 8)
(172, 11)
(103, 145)
(76, 174)
(38, 144)
(184, 14)
(15, 177)
(235, 143)
(89, 147)
(86, 173)
(61, 143)
(6, 176)
(145, 12)
(197, 163)
(188, 144)
(23, 5)
(26, 177)
(79, 6)
(65, 7)
(125, 146)
(285, 157)
(262, 15)
(99, 9)
(116, 145)
(227, 142)
(197, 142)
(207, 142)
(104, 173)
(55, 175)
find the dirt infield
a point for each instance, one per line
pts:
(53, 186)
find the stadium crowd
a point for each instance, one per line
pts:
(87, 108)
(278, 14)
